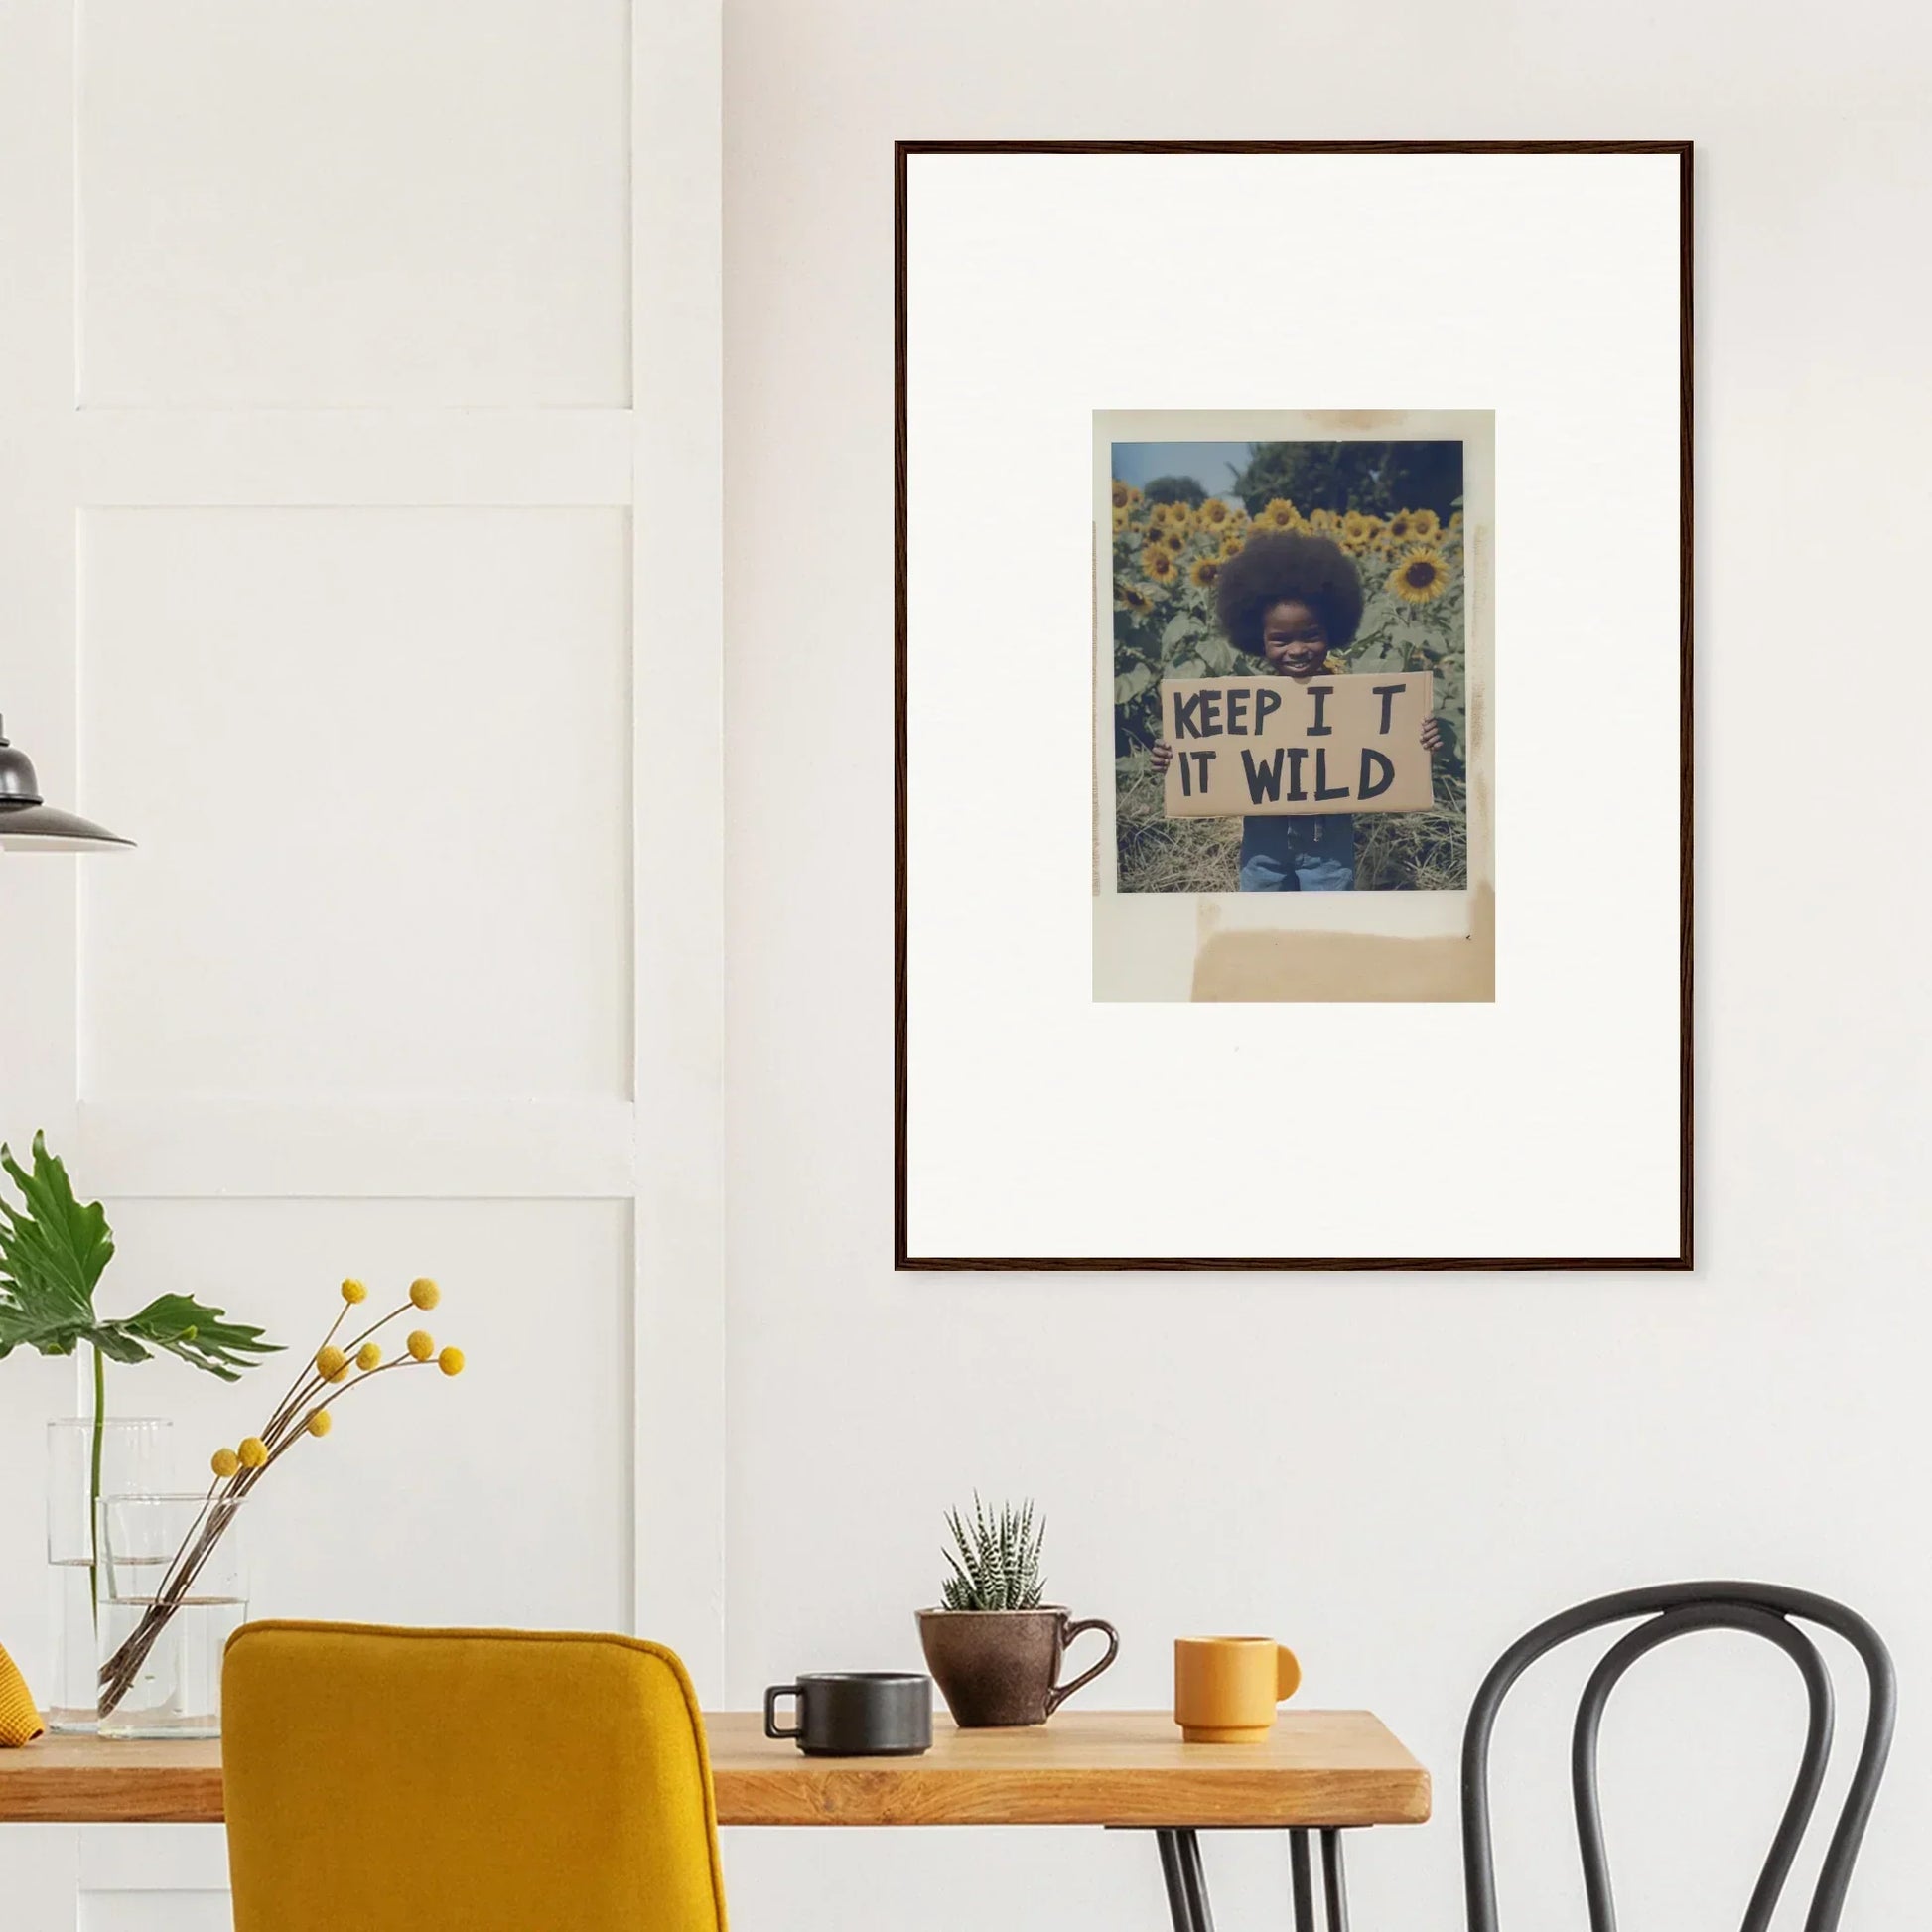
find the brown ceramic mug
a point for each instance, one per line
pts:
(1003, 1667)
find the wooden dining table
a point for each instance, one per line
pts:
(1319, 1774)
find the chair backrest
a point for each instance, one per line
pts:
(1761, 1609)
(464, 1781)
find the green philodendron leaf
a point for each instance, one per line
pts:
(46, 1337)
(52, 1252)
(197, 1334)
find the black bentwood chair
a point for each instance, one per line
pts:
(1761, 1609)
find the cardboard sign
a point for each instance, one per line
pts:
(1276, 747)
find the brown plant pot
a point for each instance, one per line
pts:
(1002, 1667)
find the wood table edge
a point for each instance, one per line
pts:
(854, 1796)
(62, 1781)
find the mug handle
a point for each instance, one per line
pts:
(1059, 1694)
(771, 1698)
(1288, 1673)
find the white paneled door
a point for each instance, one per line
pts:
(359, 539)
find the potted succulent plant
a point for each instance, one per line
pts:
(994, 1645)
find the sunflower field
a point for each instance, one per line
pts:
(1167, 558)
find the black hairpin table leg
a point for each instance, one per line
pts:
(1335, 1883)
(1180, 1867)
(1302, 1880)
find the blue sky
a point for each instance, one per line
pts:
(1206, 462)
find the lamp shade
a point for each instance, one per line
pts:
(28, 823)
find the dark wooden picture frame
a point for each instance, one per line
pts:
(1683, 1260)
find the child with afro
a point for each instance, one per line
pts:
(1291, 599)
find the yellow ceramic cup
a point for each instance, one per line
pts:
(1225, 1689)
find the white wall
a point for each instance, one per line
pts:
(1395, 1474)
(359, 519)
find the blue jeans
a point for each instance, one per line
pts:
(1299, 855)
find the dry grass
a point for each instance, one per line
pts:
(1394, 851)
(1415, 852)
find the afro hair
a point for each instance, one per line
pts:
(1279, 566)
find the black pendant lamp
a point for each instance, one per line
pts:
(29, 824)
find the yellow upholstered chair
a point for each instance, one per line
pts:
(382, 1780)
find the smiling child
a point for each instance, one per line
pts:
(1292, 600)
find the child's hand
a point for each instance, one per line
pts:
(1431, 736)
(1164, 756)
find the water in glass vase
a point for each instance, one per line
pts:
(176, 1690)
(173, 1590)
(123, 1453)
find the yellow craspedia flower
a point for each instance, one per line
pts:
(1159, 564)
(321, 1423)
(424, 1292)
(224, 1462)
(1213, 514)
(1279, 514)
(421, 1345)
(1423, 526)
(1421, 577)
(1206, 570)
(451, 1361)
(354, 1292)
(253, 1453)
(369, 1357)
(330, 1363)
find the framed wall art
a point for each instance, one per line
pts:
(1294, 705)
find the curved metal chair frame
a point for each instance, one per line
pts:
(1759, 1610)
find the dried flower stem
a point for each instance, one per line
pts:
(289, 1422)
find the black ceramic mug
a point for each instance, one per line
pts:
(856, 1713)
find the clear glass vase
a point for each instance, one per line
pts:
(172, 1591)
(133, 1457)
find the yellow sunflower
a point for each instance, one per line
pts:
(1130, 596)
(1119, 518)
(1423, 526)
(1231, 543)
(1401, 527)
(1421, 577)
(1213, 514)
(1325, 524)
(1204, 572)
(1125, 495)
(1156, 560)
(1279, 515)
(1358, 531)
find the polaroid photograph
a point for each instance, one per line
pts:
(1293, 683)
